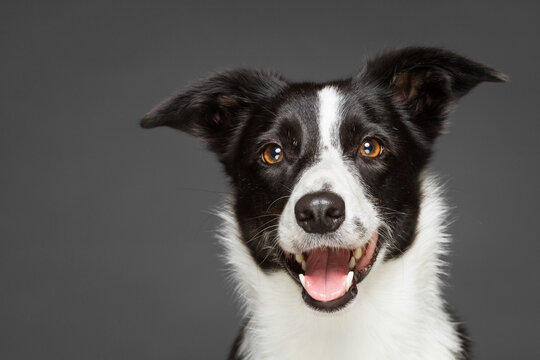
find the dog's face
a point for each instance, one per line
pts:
(326, 176)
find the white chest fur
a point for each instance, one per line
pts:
(398, 313)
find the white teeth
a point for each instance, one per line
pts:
(352, 263)
(350, 276)
(358, 253)
(302, 280)
(303, 265)
(299, 258)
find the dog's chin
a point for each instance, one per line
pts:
(328, 280)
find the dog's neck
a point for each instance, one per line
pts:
(398, 312)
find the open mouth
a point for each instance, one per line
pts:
(329, 276)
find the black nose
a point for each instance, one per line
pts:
(320, 212)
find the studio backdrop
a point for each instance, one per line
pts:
(107, 246)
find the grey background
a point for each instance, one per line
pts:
(106, 245)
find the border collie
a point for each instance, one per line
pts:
(334, 230)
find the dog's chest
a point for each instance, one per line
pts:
(392, 320)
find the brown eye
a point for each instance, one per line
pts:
(272, 154)
(370, 148)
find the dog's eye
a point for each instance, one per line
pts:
(370, 148)
(272, 154)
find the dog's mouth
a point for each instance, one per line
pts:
(329, 276)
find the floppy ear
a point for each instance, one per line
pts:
(427, 81)
(214, 107)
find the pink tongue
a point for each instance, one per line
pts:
(326, 273)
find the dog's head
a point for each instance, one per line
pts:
(326, 175)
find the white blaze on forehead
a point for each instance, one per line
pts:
(329, 115)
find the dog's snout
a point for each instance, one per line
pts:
(320, 212)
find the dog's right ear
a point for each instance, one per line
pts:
(214, 107)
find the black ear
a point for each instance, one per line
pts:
(427, 81)
(214, 107)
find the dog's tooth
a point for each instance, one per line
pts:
(302, 280)
(303, 265)
(352, 263)
(350, 277)
(358, 253)
(299, 258)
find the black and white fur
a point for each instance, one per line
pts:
(401, 98)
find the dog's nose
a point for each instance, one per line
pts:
(320, 212)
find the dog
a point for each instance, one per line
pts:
(334, 230)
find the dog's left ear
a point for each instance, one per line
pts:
(426, 81)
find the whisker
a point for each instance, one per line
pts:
(273, 202)
(263, 216)
(254, 237)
